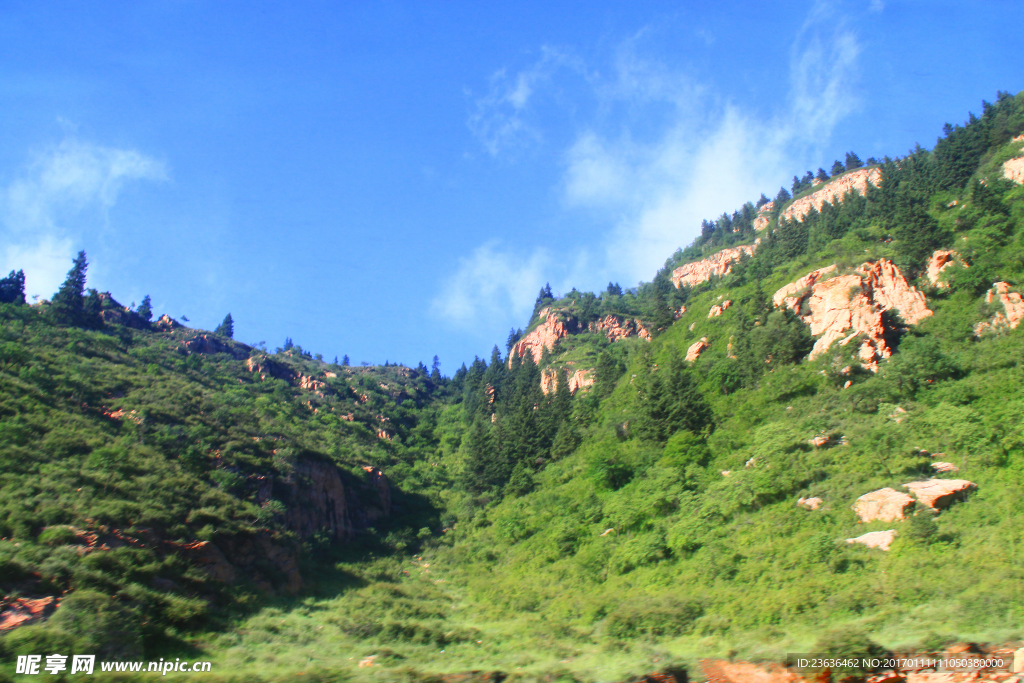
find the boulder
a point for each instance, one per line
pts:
(1013, 169)
(945, 467)
(875, 539)
(885, 505)
(696, 348)
(717, 310)
(716, 265)
(810, 503)
(833, 192)
(763, 216)
(938, 494)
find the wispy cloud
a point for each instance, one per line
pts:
(660, 152)
(63, 191)
(490, 284)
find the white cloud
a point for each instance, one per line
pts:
(63, 192)
(652, 183)
(490, 284)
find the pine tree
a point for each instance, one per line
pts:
(762, 201)
(853, 161)
(838, 168)
(822, 176)
(345, 361)
(145, 309)
(12, 288)
(781, 198)
(226, 328)
(68, 305)
(288, 344)
(614, 289)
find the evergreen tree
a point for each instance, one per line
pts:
(513, 337)
(12, 288)
(853, 161)
(822, 176)
(145, 309)
(781, 198)
(288, 344)
(68, 305)
(345, 362)
(614, 289)
(670, 401)
(226, 328)
(838, 168)
(762, 201)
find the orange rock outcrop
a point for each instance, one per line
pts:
(940, 261)
(581, 379)
(544, 336)
(833, 192)
(810, 503)
(761, 222)
(715, 265)
(696, 348)
(15, 612)
(843, 307)
(724, 671)
(1012, 303)
(717, 310)
(1013, 169)
(875, 539)
(166, 323)
(616, 328)
(884, 505)
(939, 494)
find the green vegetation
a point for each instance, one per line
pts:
(643, 523)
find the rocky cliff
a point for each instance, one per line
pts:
(1009, 317)
(833, 192)
(580, 379)
(939, 262)
(560, 323)
(843, 307)
(1013, 169)
(716, 265)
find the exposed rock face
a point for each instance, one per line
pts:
(793, 293)
(810, 503)
(696, 348)
(268, 367)
(717, 309)
(945, 467)
(938, 494)
(1013, 169)
(715, 265)
(545, 336)
(211, 559)
(940, 261)
(15, 612)
(761, 222)
(1012, 304)
(833, 192)
(875, 539)
(166, 323)
(315, 498)
(209, 343)
(884, 505)
(616, 328)
(843, 307)
(581, 379)
(382, 487)
(724, 671)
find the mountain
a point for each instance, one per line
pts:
(803, 435)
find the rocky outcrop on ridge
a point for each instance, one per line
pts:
(1013, 305)
(843, 307)
(764, 216)
(875, 539)
(166, 323)
(696, 348)
(810, 503)
(559, 324)
(939, 262)
(833, 192)
(211, 343)
(884, 505)
(938, 494)
(716, 265)
(616, 328)
(555, 326)
(266, 366)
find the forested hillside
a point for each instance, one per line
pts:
(806, 431)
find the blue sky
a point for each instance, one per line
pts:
(394, 180)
